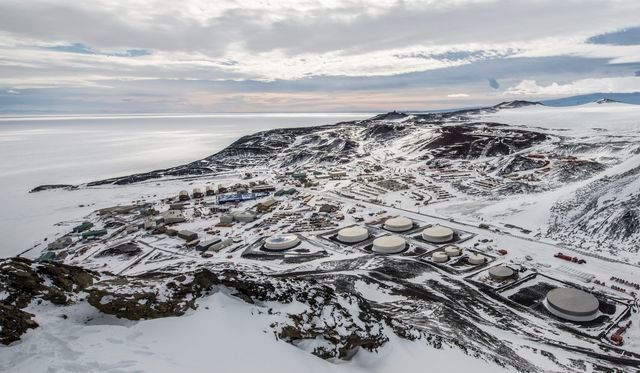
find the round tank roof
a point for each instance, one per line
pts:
(476, 258)
(281, 242)
(389, 244)
(570, 303)
(452, 250)
(501, 272)
(353, 234)
(437, 234)
(439, 257)
(398, 224)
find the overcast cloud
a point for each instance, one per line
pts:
(213, 56)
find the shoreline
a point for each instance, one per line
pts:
(70, 152)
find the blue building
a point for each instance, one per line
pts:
(240, 197)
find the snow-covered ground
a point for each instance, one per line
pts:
(585, 123)
(224, 335)
(77, 149)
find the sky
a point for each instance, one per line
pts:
(192, 56)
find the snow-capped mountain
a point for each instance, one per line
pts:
(629, 98)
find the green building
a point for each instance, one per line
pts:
(46, 257)
(82, 227)
(94, 233)
(285, 192)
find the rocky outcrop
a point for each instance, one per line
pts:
(337, 331)
(53, 186)
(477, 140)
(335, 322)
(23, 282)
(14, 323)
(352, 324)
(151, 296)
(520, 163)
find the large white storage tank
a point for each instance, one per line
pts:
(439, 257)
(281, 242)
(452, 251)
(501, 273)
(437, 234)
(353, 234)
(572, 304)
(476, 259)
(399, 224)
(389, 244)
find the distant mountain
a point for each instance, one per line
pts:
(516, 104)
(390, 116)
(607, 101)
(627, 98)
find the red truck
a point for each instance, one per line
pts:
(573, 259)
(617, 337)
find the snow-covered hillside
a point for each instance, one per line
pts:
(598, 211)
(530, 154)
(183, 276)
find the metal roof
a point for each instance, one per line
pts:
(573, 301)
